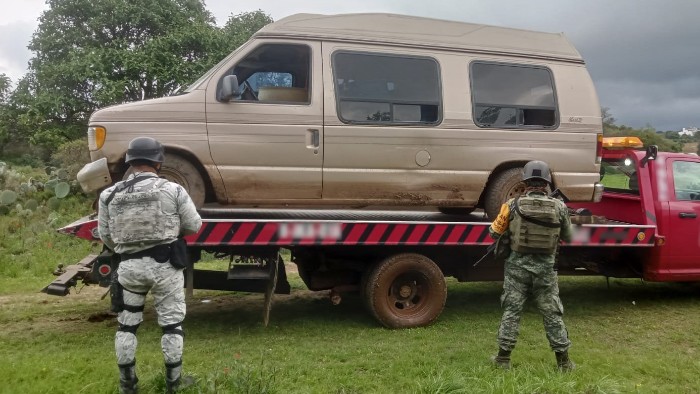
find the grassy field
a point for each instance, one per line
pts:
(628, 337)
(631, 337)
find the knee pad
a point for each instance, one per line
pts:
(131, 329)
(173, 329)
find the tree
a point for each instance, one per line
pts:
(4, 115)
(608, 119)
(90, 54)
(647, 134)
(94, 53)
(240, 27)
(5, 84)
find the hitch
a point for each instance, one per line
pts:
(69, 276)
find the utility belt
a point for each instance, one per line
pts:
(175, 252)
(159, 253)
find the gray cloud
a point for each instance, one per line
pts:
(14, 54)
(643, 55)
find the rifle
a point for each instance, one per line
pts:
(490, 249)
(557, 193)
(500, 248)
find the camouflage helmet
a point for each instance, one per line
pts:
(145, 148)
(537, 170)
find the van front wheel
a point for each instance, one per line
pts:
(506, 185)
(178, 170)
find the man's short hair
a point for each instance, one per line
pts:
(536, 183)
(142, 162)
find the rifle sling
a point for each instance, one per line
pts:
(123, 186)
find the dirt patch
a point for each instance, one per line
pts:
(23, 315)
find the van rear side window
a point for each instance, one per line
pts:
(386, 89)
(512, 96)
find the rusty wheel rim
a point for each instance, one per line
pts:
(515, 191)
(408, 293)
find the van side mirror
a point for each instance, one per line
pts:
(229, 88)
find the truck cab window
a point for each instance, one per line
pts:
(686, 180)
(619, 175)
(274, 73)
(512, 96)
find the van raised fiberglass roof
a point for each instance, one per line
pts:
(402, 30)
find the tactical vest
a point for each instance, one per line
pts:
(137, 216)
(535, 226)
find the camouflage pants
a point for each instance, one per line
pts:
(138, 277)
(518, 285)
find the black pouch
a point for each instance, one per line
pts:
(116, 294)
(178, 254)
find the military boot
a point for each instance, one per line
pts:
(502, 359)
(564, 363)
(127, 378)
(174, 380)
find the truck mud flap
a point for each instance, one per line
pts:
(69, 276)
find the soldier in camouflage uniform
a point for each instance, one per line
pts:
(138, 219)
(535, 223)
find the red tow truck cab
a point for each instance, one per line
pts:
(647, 187)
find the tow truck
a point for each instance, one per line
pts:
(645, 227)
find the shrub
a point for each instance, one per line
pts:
(71, 156)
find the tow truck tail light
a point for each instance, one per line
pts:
(599, 149)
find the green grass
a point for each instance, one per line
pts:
(32, 248)
(630, 337)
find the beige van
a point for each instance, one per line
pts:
(373, 110)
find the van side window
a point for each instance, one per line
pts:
(386, 89)
(686, 180)
(275, 73)
(512, 96)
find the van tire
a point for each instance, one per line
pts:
(506, 185)
(406, 290)
(179, 170)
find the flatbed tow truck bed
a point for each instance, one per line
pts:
(267, 227)
(343, 251)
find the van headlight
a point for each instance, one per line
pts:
(96, 137)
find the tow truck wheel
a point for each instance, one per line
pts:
(406, 290)
(506, 185)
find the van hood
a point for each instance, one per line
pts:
(188, 107)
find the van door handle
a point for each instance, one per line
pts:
(312, 139)
(687, 215)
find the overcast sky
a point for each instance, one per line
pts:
(643, 55)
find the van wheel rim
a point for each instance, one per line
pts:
(407, 293)
(517, 190)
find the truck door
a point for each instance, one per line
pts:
(682, 247)
(267, 142)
